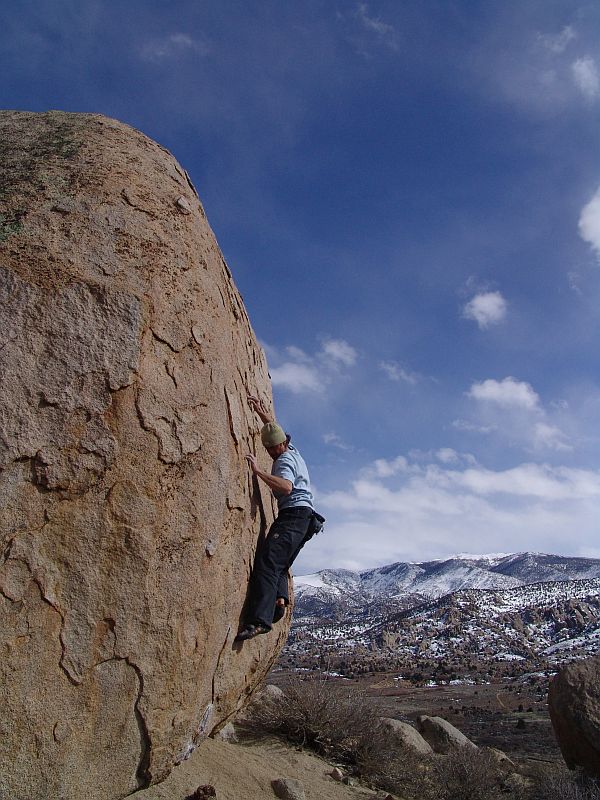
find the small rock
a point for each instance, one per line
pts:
(349, 780)
(183, 205)
(62, 208)
(288, 789)
(337, 774)
(197, 334)
(202, 793)
(211, 548)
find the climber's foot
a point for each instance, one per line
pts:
(250, 631)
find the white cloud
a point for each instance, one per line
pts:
(447, 455)
(486, 308)
(558, 43)
(339, 350)
(334, 440)
(397, 373)
(506, 393)
(471, 427)
(296, 377)
(515, 410)
(385, 32)
(400, 510)
(589, 223)
(586, 77)
(382, 468)
(551, 437)
(300, 372)
(173, 45)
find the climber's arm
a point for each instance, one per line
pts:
(278, 485)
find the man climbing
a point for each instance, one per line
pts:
(296, 522)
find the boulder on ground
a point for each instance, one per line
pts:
(128, 515)
(269, 694)
(574, 704)
(403, 735)
(441, 735)
(288, 789)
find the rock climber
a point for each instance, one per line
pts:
(296, 523)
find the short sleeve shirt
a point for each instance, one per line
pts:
(291, 467)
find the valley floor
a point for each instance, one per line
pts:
(511, 715)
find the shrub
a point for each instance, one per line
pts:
(562, 785)
(344, 727)
(467, 774)
(316, 713)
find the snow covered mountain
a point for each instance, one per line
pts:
(335, 593)
(468, 616)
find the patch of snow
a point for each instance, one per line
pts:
(310, 580)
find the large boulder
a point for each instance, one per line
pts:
(442, 736)
(574, 704)
(404, 736)
(128, 516)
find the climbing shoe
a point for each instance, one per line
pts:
(250, 631)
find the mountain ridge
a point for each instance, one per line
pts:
(437, 577)
(465, 617)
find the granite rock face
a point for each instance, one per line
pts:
(128, 514)
(574, 705)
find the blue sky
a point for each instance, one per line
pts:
(408, 196)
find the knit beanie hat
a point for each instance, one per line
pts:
(272, 434)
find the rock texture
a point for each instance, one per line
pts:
(442, 736)
(288, 789)
(574, 704)
(127, 512)
(405, 736)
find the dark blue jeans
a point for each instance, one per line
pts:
(269, 576)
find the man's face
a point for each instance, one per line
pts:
(276, 450)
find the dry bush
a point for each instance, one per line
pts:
(562, 785)
(467, 774)
(343, 726)
(315, 713)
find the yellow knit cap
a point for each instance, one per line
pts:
(272, 434)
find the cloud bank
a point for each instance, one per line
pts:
(400, 509)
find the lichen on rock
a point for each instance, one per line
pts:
(127, 514)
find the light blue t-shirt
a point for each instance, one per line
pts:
(291, 466)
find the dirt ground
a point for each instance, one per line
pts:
(245, 772)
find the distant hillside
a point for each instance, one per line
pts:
(463, 616)
(335, 593)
